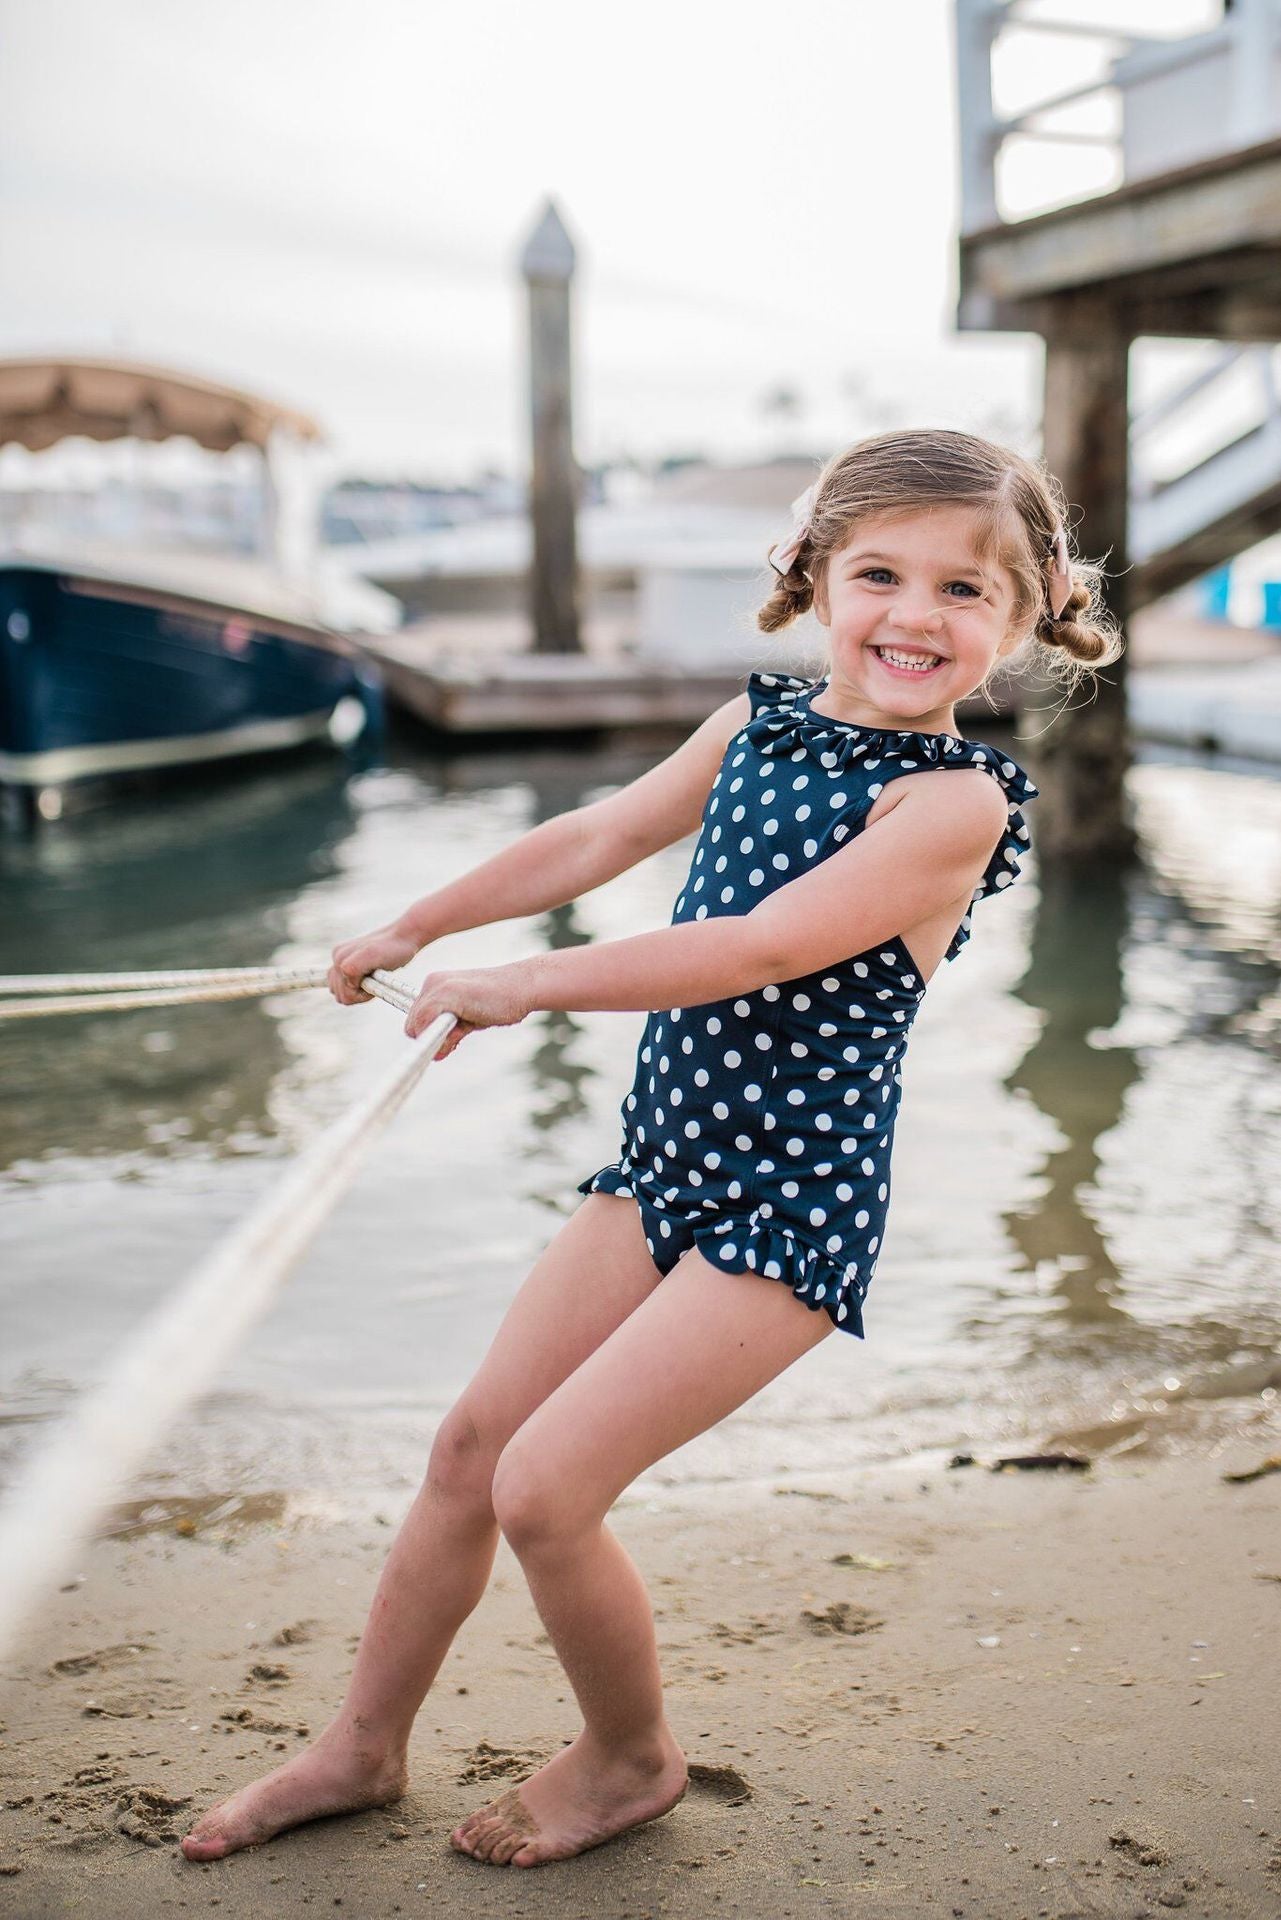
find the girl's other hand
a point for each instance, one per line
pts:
(387, 948)
(480, 997)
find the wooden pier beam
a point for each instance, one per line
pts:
(547, 264)
(1083, 755)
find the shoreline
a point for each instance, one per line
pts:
(830, 1674)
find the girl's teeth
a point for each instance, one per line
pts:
(917, 662)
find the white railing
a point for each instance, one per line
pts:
(1239, 98)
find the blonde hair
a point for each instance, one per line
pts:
(1019, 507)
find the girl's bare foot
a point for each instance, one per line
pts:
(579, 1799)
(333, 1776)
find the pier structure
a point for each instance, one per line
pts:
(1186, 245)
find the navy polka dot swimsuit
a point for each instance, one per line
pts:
(759, 1128)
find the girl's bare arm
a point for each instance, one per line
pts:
(568, 856)
(927, 853)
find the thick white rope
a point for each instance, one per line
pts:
(66, 993)
(175, 977)
(180, 1349)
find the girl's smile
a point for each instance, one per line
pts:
(916, 618)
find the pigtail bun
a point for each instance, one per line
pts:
(793, 595)
(1084, 633)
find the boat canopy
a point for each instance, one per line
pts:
(43, 401)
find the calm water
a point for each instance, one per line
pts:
(1087, 1182)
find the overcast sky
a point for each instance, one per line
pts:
(326, 202)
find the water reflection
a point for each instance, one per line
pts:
(202, 875)
(1078, 1078)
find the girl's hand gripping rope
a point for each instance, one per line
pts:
(387, 949)
(477, 997)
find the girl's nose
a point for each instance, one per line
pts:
(915, 616)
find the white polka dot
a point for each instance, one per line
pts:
(796, 1097)
(729, 1251)
(795, 1147)
(712, 1160)
(734, 1190)
(809, 849)
(746, 845)
(780, 861)
(755, 877)
(733, 1059)
(827, 1029)
(817, 1216)
(687, 1045)
(845, 1191)
(801, 1001)
(873, 1244)
(701, 1077)
(837, 799)
(789, 1189)
(803, 813)
(801, 780)
(834, 1244)
(713, 1025)
(869, 1166)
(882, 1191)
(764, 1042)
(823, 1121)
(721, 1110)
(751, 1091)
(658, 1115)
(850, 1053)
(665, 1228)
(862, 1217)
(739, 813)
(827, 1073)
(676, 1096)
(769, 993)
(692, 1129)
(772, 1270)
(700, 913)
(722, 863)
(742, 1009)
(743, 1141)
(727, 893)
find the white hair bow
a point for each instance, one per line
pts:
(782, 556)
(1060, 581)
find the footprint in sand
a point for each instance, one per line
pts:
(295, 1635)
(78, 1663)
(147, 1815)
(726, 1784)
(757, 1627)
(485, 1762)
(268, 1673)
(841, 1617)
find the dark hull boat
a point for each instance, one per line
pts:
(107, 673)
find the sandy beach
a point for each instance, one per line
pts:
(965, 1693)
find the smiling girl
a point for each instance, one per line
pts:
(845, 829)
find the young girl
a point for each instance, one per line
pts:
(844, 829)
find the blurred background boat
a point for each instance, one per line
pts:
(120, 656)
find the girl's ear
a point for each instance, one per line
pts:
(820, 607)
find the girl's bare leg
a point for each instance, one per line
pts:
(594, 1273)
(699, 1346)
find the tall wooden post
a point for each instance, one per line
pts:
(547, 264)
(1083, 755)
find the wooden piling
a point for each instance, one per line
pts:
(1082, 757)
(547, 264)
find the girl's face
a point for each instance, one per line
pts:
(916, 620)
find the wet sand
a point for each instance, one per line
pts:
(858, 1745)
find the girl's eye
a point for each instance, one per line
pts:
(879, 574)
(968, 591)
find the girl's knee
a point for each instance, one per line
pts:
(534, 1504)
(460, 1469)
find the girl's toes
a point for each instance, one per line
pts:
(526, 1855)
(509, 1844)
